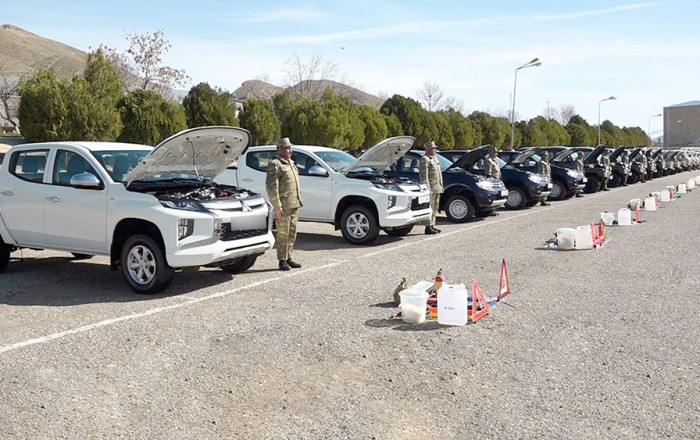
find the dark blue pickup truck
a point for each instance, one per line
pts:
(466, 195)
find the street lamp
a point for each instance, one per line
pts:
(532, 63)
(612, 98)
(649, 128)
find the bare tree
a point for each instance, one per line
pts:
(550, 113)
(431, 96)
(140, 67)
(566, 112)
(306, 77)
(9, 100)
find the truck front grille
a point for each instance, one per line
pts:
(228, 235)
(415, 206)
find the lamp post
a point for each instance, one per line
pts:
(611, 98)
(649, 128)
(532, 63)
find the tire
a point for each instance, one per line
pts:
(240, 264)
(399, 232)
(592, 186)
(359, 225)
(558, 191)
(517, 199)
(615, 181)
(79, 256)
(459, 209)
(5, 252)
(633, 178)
(143, 265)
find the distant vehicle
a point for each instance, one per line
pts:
(620, 172)
(592, 165)
(466, 195)
(525, 188)
(565, 181)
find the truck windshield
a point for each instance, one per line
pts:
(119, 163)
(337, 160)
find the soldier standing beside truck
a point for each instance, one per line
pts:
(430, 174)
(282, 186)
(545, 169)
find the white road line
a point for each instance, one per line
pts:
(191, 301)
(158, 310)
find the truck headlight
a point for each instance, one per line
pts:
(186, 205)
(536, 178)
(485, 184)
(185, 226)
(387, 186)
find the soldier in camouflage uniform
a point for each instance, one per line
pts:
(608, 169)
(431, 175)
(644, 164)
(491, 165)
(625, 166)
(282, 186)
(545, 169)
(580, 166)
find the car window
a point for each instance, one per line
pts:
(406, 164)
(67, 165)
(303, 162)
(259, 160)
(29, 165)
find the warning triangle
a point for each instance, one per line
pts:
(480, 307)
(504, 288)
(637, 215)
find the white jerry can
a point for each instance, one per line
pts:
(681, 188)
(453, 304)
(666, 195)
(624, 217)
(565, 238)
(607, 218)
(690, 184)
(583, 238)
(650, 204)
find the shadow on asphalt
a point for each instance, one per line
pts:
(57, 281)
(398, 324)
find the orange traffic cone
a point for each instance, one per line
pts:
(637, 215)
(478, 301)
(504, 288)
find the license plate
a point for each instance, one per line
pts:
(423, 199)
(504, 193)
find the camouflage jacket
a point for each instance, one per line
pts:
(282, 184)
(430, 173)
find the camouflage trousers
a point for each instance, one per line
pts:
(434, 205)
(286, 233)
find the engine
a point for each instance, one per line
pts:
(213, 192)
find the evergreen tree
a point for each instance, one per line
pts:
(206, 106)
(149, 118)
(259, 118)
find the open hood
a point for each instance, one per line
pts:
(616, 153)
(384, 154)
(563, 155)
(593, 155)
(471, 157)
(522, 157)
(204, 151)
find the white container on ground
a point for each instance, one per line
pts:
(635, 203)
(624, 217)
(681, 188)
(665, 195)
(583, 238)
(565, 238)
(607, 218)
(413, 305)
(690, 184)
(453, 303)
(650, 204)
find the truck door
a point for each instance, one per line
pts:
(76, 218)
(22, 196)
(316, 191)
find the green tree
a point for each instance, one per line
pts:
(393, 125)
(149, 118)
(578, 134)
(43, 108)
(375, 127)
(259, 118)
(206, 106)
(494, 131)
(409, 113)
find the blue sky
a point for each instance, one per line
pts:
(644, 53)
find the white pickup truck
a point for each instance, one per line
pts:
(151, 210)
(351, 193)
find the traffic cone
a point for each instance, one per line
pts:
(504, 288)
(637, 215)
(478, 301)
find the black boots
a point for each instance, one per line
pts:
(429, 230)
(289, 264)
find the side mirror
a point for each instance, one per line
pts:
(85, 180)
(318, 170)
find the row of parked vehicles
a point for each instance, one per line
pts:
(198, 198)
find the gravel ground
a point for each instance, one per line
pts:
(590, 344)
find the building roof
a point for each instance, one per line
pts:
(686, 104)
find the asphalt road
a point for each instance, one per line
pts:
(590, 344)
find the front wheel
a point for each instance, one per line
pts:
(143, 265)
(240, 265)
(517, 199)
(558, 191)
(5, 252)
(459, 209)
(359, 225)
(592, 186)
(399, 232)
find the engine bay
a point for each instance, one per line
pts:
(205, 193)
